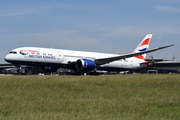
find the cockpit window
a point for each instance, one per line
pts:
(13, 52)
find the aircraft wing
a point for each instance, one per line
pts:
(102, 61)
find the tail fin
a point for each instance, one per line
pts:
(143, 46)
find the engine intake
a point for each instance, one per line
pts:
(85, 64)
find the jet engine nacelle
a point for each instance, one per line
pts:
(85, 64)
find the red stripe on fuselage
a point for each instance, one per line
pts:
(29, 51)
(141, 57)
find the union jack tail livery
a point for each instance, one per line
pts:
(143, 46)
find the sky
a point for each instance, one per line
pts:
(108, 26)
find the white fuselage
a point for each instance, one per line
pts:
(82, 61)
(63, 58)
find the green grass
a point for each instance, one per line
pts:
(113, 97)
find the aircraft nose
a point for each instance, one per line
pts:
(6, 58)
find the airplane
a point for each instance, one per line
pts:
(80, 61)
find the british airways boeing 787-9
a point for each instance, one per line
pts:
(79, 61)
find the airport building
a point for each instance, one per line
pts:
(161, 66)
